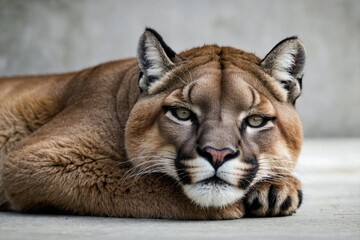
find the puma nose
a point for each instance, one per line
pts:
(217, 156)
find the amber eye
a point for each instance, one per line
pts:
(256, 121)
(181, 113)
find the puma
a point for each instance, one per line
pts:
(209, 133)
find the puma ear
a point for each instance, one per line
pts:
(155, 58)
(286, 62)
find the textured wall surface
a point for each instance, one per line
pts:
(55, 36)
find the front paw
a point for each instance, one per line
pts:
(229, 212)
(280, 196)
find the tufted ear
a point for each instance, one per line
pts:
(155, 58)
(286, 62)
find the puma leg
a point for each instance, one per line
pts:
(59, 175)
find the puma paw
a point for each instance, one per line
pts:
(274, 197)
(234, 211)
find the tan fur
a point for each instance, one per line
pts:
(89, 143)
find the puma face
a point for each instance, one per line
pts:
(216, 119)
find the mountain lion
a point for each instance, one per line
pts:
(210, 133)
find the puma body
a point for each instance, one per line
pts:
(210, 133)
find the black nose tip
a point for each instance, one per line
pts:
(217, 156)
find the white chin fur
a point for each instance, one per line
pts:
(212, 194)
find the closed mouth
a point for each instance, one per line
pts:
(214, 180)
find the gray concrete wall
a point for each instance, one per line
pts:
(55, 36)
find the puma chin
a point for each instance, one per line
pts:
(216, 119)
(217, 186)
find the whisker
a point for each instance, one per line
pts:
(156, 166)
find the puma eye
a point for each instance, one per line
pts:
(181, 113)
(256, 121)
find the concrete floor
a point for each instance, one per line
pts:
(329, 169)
